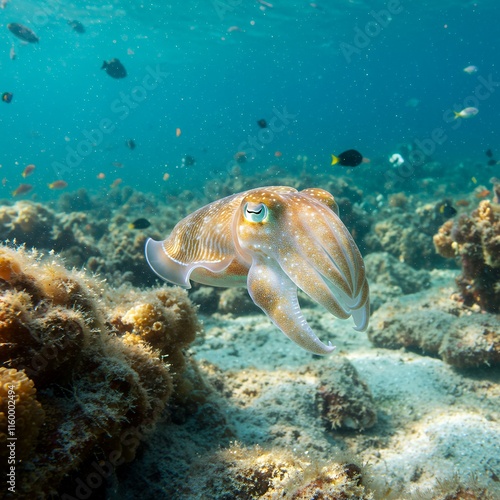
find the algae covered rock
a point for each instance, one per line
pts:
(344, 400)
(475, 240)
(253, 473)
(440, 328)
(97, 393)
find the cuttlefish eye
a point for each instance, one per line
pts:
(255, 212)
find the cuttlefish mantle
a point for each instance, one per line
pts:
(272, 240)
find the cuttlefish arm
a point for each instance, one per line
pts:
(272, 240)
(276, 294)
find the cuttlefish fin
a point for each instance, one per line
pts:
(175, 271)
(276, 294)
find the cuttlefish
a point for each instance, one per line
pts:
(272, 240)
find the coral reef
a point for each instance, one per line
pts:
(384, 268)
(101, 390)
(475, 240)
(20, 413)
(252, 473)
(407, 235)
(343, 399)
(439, 328)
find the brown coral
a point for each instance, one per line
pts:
(163, 317)
(21, 415)
(475, 240)
(100, 393)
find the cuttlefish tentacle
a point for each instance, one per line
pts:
(273, 291)
(274, 240)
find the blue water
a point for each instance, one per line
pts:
(339, 87)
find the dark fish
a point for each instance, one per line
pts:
(77, 26)
(139, 224)
(262, 123)
(7, 97)
(22, 32)
(130, 143)
(492, 162)
(114, 68)
(188, 161)
(446, 209)
(240, 157)
(349, 158)
(489, 153)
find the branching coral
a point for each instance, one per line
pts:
(475, 240)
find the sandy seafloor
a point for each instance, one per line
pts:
(435, 423)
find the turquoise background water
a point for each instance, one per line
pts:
(341, 89)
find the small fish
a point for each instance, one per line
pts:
(278, 154)
(22, 32)
(22, 189)
(130, 143)
(77, 26)
(462, 203)
(491, 161)
(178, 132)
(116, 183)
(60, 184)
(466, 113)
(12, 53)
(7, 97)
(446, 209)
(188, 161)
(28, 170)
(233, 28)
(166, 176)
(101, 176)
(349, 158)
(470, 70)
(240, 157)
(114, 68)
(482, 193)
(262, 123)
(117, 164)
(139, 224)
